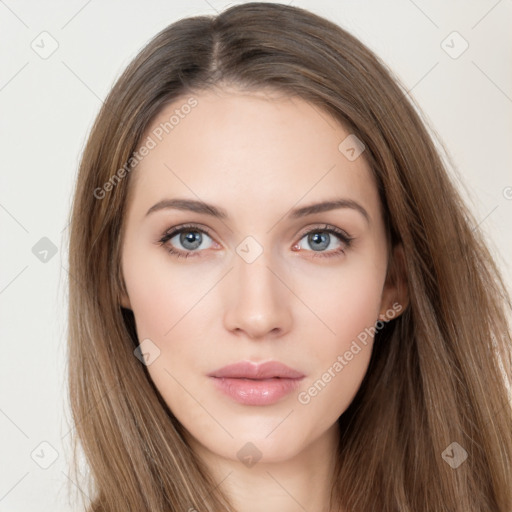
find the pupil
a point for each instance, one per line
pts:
(320, 240)
(193, 238)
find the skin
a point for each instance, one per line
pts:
(257, 155)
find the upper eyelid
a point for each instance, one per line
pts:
(178, 229)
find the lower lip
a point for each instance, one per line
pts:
(256, 392)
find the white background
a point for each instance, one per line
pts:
(47, 109)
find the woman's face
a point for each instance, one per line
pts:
(261, 275)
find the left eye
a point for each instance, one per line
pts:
(321, 240)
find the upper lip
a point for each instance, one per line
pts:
(249, 370)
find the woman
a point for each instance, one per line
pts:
(278, 299)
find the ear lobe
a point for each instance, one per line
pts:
(124, 300)
(122, 294)
(395, 294)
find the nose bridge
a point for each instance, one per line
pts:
(254, 277)
(258, 300)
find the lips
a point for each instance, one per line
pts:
(256, 384)
(248, 370)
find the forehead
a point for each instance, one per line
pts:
(260, 147)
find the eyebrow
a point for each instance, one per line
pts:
(209, 209)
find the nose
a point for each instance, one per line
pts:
(257, 299)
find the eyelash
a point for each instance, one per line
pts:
(341, 235)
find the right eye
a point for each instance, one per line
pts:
(190, 237)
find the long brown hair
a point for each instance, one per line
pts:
(434, 378)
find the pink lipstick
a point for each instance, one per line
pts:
(256, 383)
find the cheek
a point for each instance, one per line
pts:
(348, 303)
(162, 295)
(167, 304)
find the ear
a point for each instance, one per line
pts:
(123, 298)
(122, 294)
(395, 294)
(124, 301)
